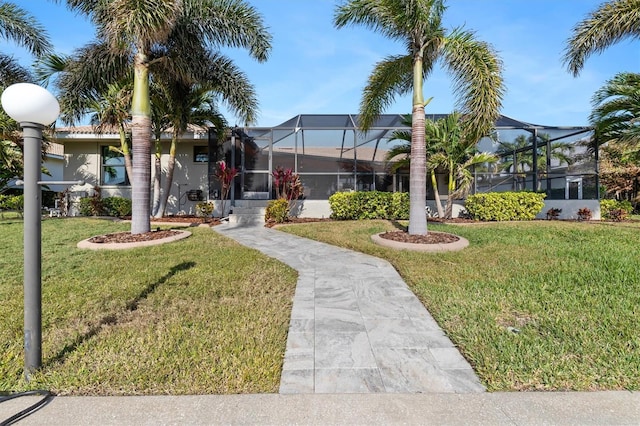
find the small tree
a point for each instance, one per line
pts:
(225, 176)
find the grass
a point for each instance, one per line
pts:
(533, 306)
(201, 315)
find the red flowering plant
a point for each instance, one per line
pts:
(288, 185)
(225, 176)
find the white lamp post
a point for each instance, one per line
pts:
(34, 108)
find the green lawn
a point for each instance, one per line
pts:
(534, 305)
(202, 315)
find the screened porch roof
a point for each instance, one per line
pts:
(387, 123)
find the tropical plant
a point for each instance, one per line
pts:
(19, 26)
(10, 163)
(165, 37)
(516, 157)
(225, 176)
(447, 152)
(476, 70)
(609, 23)
(185, 105)
(615, 114)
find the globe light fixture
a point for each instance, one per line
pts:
(34, 108)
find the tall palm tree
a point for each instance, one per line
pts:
(151, 33)
(19, 26)
(611, 22)
(476, 70)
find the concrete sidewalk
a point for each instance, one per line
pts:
(355, 325)
(517, 408)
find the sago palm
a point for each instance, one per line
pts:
(475, 67)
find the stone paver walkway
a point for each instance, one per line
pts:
(355, 325)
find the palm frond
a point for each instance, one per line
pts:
(390, 77)
(478, 81)
(18, 25)
(610, 23)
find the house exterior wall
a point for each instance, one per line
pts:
(82, 161)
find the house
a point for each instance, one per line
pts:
(330, 154)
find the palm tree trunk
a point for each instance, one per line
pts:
(141, 139)
(157, 177)
(418, 157)
(451, 187)
(169, 179)
(126, 152)
(436, 193)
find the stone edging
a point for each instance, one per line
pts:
(86, 244)
(430, 248)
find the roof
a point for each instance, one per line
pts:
(385, 124)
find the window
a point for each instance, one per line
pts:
(200, 154)
(113, 169)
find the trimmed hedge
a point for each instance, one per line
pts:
(369, 205)
(498, 206)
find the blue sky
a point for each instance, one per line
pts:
(317, 69)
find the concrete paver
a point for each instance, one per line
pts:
(355, 325)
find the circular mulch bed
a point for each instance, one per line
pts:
(126, 240)
(128, 237)
(430, 238)
(431, 242)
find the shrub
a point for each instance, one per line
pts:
(498, 206)
(12, 202)
(553, 213)
(205, 209)
(117, 206)
(609, 209)
(584, 214)
(92, 205)
(277, 211)
(617, 215)
(369, 205)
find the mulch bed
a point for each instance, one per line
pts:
(127, 237)
(430, 238)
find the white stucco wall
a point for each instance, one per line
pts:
(82, 162)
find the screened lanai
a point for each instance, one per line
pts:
(331, 154)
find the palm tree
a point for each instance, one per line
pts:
(401, 155)
(616, 109)
(173, 38)
(611, 22)
(449, 152)
(194, 105)
(18, 25)
(476, 70)
(516, 157)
